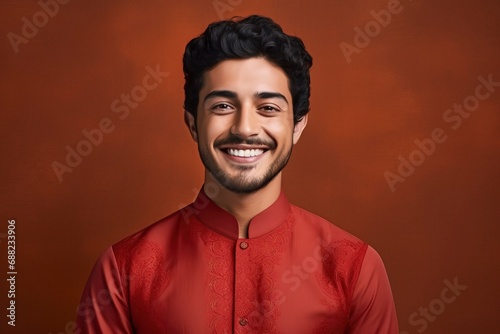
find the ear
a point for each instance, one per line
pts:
(191, 124)
(298, 128)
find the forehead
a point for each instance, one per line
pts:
(246, 76)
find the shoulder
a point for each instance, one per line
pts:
(323, 230)
(341, 252)
(151, 242)
(145, 259)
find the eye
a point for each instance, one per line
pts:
(269, 109)
(222, 108)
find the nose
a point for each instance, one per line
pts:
(246, 122)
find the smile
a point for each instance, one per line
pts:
(244, 153)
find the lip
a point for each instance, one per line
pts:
(243, 160)
(244, 147)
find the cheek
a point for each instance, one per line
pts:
(214, 129)
(280, 132)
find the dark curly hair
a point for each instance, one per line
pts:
(253, 36)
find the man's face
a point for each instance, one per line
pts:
(244, 126)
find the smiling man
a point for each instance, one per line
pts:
(241, 258)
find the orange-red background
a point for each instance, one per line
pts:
(441, 223)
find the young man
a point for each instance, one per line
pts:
(241, 259)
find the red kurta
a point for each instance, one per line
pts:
(190, 273)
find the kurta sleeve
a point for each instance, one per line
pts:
(103, 307)
(372, 308)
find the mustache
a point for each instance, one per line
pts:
(235, 140)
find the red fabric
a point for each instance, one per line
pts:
(189, 273)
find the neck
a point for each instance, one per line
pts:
(243, 206)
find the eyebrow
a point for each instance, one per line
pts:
(271, 95)
(221, 93)
(232, 95)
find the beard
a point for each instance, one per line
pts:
(243, 183)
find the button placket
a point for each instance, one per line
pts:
(242, 262)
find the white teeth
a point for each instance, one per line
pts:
(245, 153)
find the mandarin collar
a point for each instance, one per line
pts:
(222, 222)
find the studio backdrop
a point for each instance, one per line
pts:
(401, 148)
